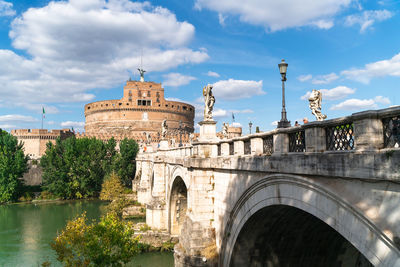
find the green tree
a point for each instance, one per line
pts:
(13, 164)
(75, 168)
(107, 243)
(124, 163)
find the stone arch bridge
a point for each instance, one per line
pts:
(321, 194)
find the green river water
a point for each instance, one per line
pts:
(26, 231)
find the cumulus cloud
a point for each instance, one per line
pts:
(357, 104)
(235, 124)
(274, 123)
(277, 15)
(75, 46)
(213, 74)
(325, 79)
(72, 124)
(304, 78)
(336, 93)
(6, 9)
(367, 18)
(176, 79)
(8, 126)
(17, 118)
(237, 89)
(387, 67)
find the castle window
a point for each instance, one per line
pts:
(158, 100)
(166, 105)
(88, 107)
(142, 102)
(184, 107)
(158, 94)
(130, 98)
(106, 105)
(148, 93)
(191, 109)
(139, 93)
(127, 104)
(130, 93)
(120, 104)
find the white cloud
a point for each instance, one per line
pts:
(219, 113)
(8, 126)
(277, 15)
(75, 46)
(17, 118)
(367, 18)
(212, 74)
(72, 124)
(358, 104)
(387, 67)
(6, 9)
(382, 100)
(221, 19)
(304, 78)
(274, 123)
(235, 124)
(174, 99)
(324, 79)
(336, 93)
(176, 79)
(237, 89)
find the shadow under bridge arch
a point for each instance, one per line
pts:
(290, 221)
(178, 205)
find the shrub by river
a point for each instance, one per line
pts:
(26, 231)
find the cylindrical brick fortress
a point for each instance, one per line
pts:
(140, 111)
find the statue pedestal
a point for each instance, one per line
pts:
(208, 131)
(164, 144)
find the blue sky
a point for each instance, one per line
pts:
(64, 54)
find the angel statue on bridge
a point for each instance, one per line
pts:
(315, 100)
(164, 129)
(209, 101)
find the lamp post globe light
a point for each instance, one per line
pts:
(283, 123)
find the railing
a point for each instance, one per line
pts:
(340, 137)
(297, 141)
(268, 144)
(391, 132)
(363, 131)
(247, 147)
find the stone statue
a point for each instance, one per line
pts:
(141, 71)
(209, 101)
(164, 129)
(225, 130)
(315, 105)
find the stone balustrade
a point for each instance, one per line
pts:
(362, 131)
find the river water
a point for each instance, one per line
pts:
(26, 231)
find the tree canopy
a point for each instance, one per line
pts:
(13, 164)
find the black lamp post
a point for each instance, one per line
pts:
(284, 123)
(180, 133)
(250, 125)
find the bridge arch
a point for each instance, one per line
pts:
(290, 197)
(178, 200)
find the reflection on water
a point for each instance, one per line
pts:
(26, 231)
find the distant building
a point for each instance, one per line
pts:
(138, 115)
(35, 140)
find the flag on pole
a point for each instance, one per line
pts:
(233, 117)
(43, 113)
